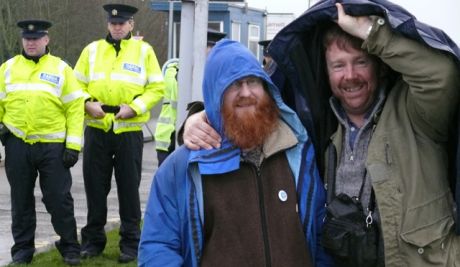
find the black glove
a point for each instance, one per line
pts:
(4, 133)
(70, 157)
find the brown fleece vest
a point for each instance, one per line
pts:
(246, 221)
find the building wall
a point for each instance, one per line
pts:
(277, 21)
(250, 21)
(221, 17)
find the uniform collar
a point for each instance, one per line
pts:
(35, 58)
(110, 40)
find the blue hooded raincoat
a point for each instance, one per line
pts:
(172, 234)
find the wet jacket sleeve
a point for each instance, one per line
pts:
(321, 257)
(431, 75)
(161, 242)
(311, 200)
(2, 91)
(73, 104)
(81, 71)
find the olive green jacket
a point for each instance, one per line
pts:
(407, 158)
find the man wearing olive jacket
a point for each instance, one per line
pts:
(394, 99)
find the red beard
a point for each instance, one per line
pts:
(250, 129)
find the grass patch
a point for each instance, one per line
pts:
(108, 258)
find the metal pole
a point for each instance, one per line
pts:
(170, 29)
(184, 95)
(199, 44)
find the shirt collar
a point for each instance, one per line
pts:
(373, 111)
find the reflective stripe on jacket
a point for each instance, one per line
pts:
(166, 122)
(131, 77)
(41, 102)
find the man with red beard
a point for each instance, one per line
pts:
(247, 108)
(255, 201)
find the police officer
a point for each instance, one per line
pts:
(267, 63)
(122, 81)
(166, 123)
(41, 108)
(213, 36)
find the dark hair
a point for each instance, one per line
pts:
(345, 41)
(334, 34)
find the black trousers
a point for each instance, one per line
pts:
(161, 154)
(23, 163)
(103, 153)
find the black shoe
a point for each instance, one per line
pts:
(125, 258)
(86, 254)
(72, 259)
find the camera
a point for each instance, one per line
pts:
(350, 236)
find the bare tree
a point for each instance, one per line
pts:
(9, 42)
(75, 24)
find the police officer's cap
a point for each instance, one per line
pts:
(34, 28)
(264, 44)
(119, 13)
(214, 36)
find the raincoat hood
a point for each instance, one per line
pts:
(325, 11)
(230, 61)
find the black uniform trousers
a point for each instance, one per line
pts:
(161, 154)
(103, 153)
(22, 164)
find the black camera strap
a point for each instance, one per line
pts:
(332, 159)
(331, 178)
(361, 189)
(331, 172)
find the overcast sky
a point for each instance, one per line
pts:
(443, 14)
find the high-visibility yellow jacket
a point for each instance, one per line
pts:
(132, 77)
(166, 122)
(41, 102)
